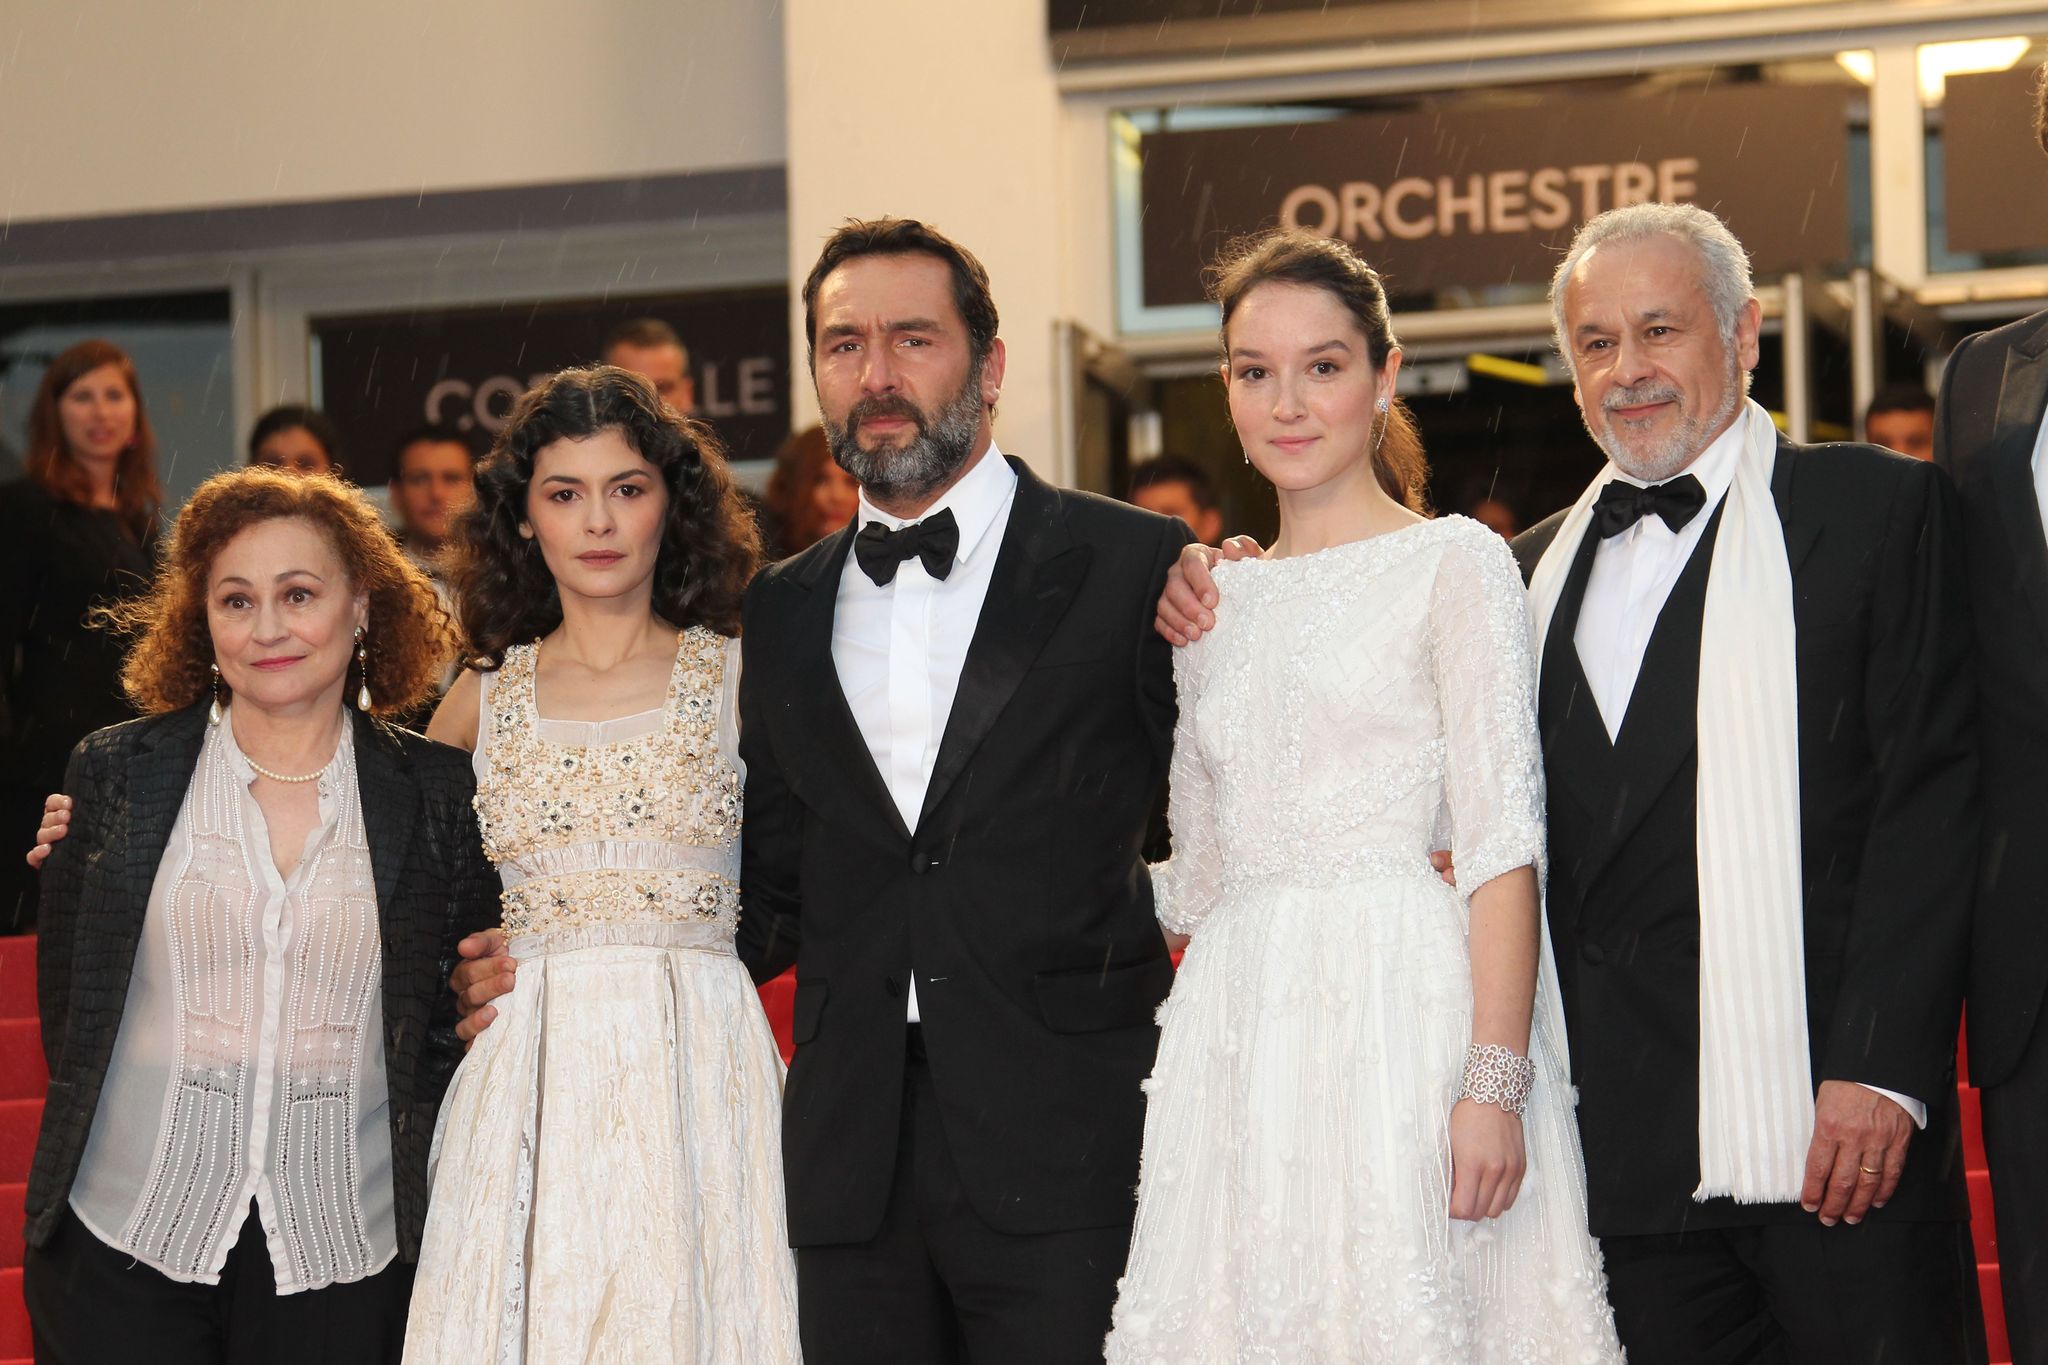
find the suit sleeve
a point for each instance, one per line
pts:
(63, 886)
(1155, 656)
(771, 840)
(473, 907)
(1900, 1000)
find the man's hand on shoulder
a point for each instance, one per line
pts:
(1187, 607)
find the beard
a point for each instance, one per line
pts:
(924, 463)
(1660, 460)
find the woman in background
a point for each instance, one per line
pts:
(77, 531)
(297, 440)
(809, 495)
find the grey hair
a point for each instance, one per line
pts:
(1724, 264)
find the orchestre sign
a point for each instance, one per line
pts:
(382, 376)
(1470, 198)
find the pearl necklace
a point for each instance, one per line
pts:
(262, 771)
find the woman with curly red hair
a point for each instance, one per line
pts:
(609, 1155)
(242, 951)
(78, 530)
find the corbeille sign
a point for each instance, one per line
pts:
(1470, 198)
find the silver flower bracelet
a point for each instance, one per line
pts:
(1494, 1075)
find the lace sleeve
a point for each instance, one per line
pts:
(1187, 886)
(1486, 685)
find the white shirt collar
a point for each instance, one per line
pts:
(981, 494)
(1715, 466)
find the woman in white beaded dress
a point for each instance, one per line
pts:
(1359, 1145)
(606, 1177)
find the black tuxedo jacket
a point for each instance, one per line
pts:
(434, 886)
(1888, 829)
(1021, 900)
(1993, 398)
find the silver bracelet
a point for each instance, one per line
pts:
(1494, 1075)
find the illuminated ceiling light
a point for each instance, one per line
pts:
(1939, 61)
(1860, 64)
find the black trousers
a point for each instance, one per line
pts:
(89, 1304)
(938, 1286)
(1796, 1294)
(2015, 1119)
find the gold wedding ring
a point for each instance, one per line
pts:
(1868, 1171)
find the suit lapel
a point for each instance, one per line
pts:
(819, 696)
(1661, 727)
(1800, 526)
(390, 802)
(2022, 402)
(1578, 756)
(1038, 571)
(158, 776)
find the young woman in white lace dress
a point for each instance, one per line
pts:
(606, 1179)
(1359, 1145)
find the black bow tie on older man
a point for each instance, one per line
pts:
(1622, 504)
(881, 551)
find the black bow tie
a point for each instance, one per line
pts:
(881, 551)
(1621, 505)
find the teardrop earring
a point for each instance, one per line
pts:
(363, 663)
(213, 712)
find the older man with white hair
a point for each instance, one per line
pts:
(1756, 699)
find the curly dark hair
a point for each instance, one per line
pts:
(411, 638)
(710, 545)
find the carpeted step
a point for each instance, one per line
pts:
(11, 1218)
(778, 1001)
(19, 1120)
(18, 977)
(1983, 1225)
(22, 1073)
(14, 1334)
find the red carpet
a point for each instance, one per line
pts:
(22, 1079)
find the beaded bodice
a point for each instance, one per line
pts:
(637, 828)
(1353, 710)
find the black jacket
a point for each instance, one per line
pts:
(434, 886)
(1993, 398)
(1021, 902)
(1888, 832)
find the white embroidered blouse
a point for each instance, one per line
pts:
(250, 1059)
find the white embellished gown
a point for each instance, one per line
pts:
(1352, 710)
(606, 1177)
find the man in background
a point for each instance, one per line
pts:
(433, 476)
(1901, 418)
(650, 347)
(1175, 486)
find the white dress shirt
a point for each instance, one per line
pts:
(1633, 574)
(898, 648)
(249, 1064)
(2041, 473)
